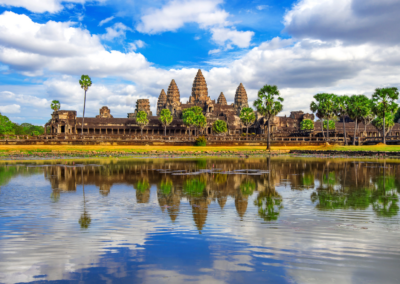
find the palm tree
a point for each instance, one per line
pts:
(141, 119)
(85, 83)
(247, 117)
(55, 105)
(383, 102)
(358, 107)
(269, 104)
(340, 110)
(166, 119)
(325, 106)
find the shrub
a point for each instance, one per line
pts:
(220, 126)
(35, 133)
(201, 141)
(243, 134)
(332, 125)
(307, 124)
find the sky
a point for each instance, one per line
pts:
(133, 49)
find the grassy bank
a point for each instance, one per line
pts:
(30, 149)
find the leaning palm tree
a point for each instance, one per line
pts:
(269, 104)
(85, 83)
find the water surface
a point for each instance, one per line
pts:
(279, 220)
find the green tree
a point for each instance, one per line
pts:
(165, 119)
(219, 126)
(141, 120)
(269, 104)
(324, 105)
(85, 83)
(358, 107)
(367, 120)
(383, 102)
(200, 121)
(307, 125)
(397, 116)
(55, 105)
(332, 125)
(188, 119)
(247, 117)
(340, 109)
(389, 123)
(6, 126)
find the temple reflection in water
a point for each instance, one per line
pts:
(333, 184)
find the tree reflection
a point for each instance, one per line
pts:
(194, 187)
(385, 198)
(143, 191)
(85, 219)
(247, 187)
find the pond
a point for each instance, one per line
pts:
(277, 220)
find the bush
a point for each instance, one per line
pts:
(201, 141)
(332, 125)
(307, 124)
(35, 133)
(220, 126)
(243, 134)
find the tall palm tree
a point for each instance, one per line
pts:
(340, 110)
(269, 104)
(85, 83)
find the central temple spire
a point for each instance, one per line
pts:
(199, 89)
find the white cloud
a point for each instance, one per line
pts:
(214, 51)
(206, 14)
(116, 31)
(41, 6)
(106, 20)
(14, 108)
(352, 21)
(133, 46)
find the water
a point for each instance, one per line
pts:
(279, 220)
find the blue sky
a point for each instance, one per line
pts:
(133, 49)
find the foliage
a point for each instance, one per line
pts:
(35, 133)
(269, 104)
(141, 119)
(397, 115)
(332, 124)
(9, 128)
(247, 187)
(196, 110)
(200, 121)
(85, 220)
(340, 106)
(247, 116)
(194, 187)
(220, 126)
(6, 126)
(85, 82)
(307, 124)
(55, 105)
(166, 187)
(142, 186)
(188, 118)
(200, 141)
(389, 122)
(165, 119)
(269, 204)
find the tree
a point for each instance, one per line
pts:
(220, 126)
(358, 107)
(324, 105)
(367, 120)
(188, 119)
(247, 117)
(340, 109)
(331, 125)
(55, 105)
(85, 83)
(165, 119)
(6, 126)
(383, 103)
(389, 123)
(307, 125)
(141, 119)
(269, 104)
(200, 121)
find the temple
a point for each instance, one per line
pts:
(64, 124)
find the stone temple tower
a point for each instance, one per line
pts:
(173, 99)
(222, 100)
(199, 89)
(162, 102)
(241, 100)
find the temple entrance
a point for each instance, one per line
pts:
(63, 129)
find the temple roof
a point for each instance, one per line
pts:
(173, 94)
(222, 100)
(163, 96)
(241, 96)
(199, 89)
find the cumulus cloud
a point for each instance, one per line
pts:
(116, 31)
(351, 21)
(6, 109)
(206, 14)
(136, 44)
(41, 6)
